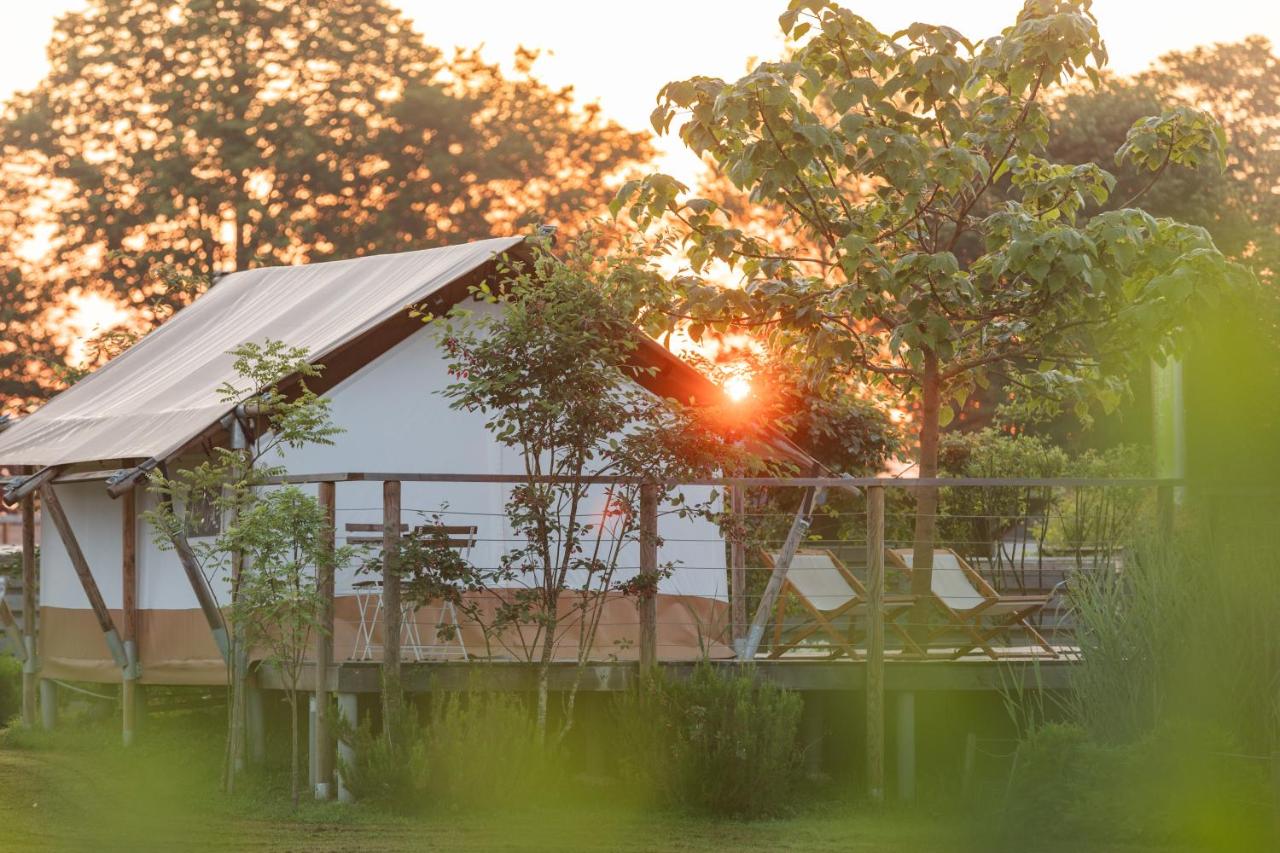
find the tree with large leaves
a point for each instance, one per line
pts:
(216, 135)
(883, 151)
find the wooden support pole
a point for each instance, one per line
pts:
(129, 584)
(390, 605)
(52, 508)
(875, 643)
(738, 564)
(324, 647)
(648, 604)
(30, 605)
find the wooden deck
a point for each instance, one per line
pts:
(813, 674)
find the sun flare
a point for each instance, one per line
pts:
(738, 388)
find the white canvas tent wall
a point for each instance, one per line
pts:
(160, 398)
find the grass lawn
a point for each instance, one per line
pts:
(50, 801)
(79, 790)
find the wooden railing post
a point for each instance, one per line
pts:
(648, 604)
(30, 604)
(738, 565)
(324, 645)
(390, 606)
(129, 583)
(875, 643)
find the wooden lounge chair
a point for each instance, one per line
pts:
(826, 588)
(974, 608)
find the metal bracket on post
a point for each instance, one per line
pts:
(132, 667)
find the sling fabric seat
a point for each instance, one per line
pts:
(826, 588)
(973, 606)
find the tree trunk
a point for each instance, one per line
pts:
(926, 497)
(293, 757)
(544, 677)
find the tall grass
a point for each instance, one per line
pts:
(1188, 630)
(1173, 716)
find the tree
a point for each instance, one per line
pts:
(883, 149)
(550, 372)
(1239, 84)
(227, 484)
(217, 135)
(284, 536)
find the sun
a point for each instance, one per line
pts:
(738, 388)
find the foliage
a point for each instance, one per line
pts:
(1101, 520)
(476, 749)
(1239, 83)
(284, 536)
(279, 411)
(10, 687)
(718, 743)
(1178, 785)
(215, 136)
(21, 305)
(882, 149)
(551, 364)
(391, 772)
(975, 520)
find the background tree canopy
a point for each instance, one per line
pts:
(883, 149)
(213, 135)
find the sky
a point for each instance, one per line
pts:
(621, 53)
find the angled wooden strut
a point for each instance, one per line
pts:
(53, 507)
(204, 595)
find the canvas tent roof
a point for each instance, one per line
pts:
(155, 397)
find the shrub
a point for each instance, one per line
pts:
(474, 748)
(391, 777)
(482, 746)
(10, 687)
(1183, 784)
(718, 743)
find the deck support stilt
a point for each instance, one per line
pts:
(906, 702)
(256, 725)
(348, 710)
(313, 750)
(48, 704)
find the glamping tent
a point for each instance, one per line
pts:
(158, 404)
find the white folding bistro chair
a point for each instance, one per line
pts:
(369, 599)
